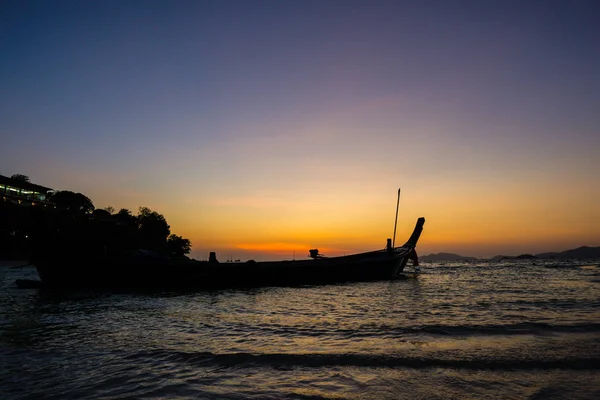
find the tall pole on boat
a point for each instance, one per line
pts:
(396, 221)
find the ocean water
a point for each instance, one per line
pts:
(458, 331)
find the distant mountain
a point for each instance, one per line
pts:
(583, 252)
(444, 257)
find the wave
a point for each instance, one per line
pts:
(391, 331)
(283, 360)
(511, 329)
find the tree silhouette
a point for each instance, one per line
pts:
(125, 217)
(20, 177)
(75, 203)
(101, 214)
(153, 229)
(74, 228)
(110, 209)
(178, 246)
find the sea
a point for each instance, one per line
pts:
(469, 330)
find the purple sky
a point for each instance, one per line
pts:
(242, 119)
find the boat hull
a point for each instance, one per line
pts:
(205, 275)
(142, 269)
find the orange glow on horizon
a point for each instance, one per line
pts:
(470, 217)
(286, 248)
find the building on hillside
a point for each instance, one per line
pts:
(24, 193)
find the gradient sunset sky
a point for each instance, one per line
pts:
(261, 129)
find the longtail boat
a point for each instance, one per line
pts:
(140, 269)
(145, 269)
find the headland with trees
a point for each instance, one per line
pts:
(68, 221)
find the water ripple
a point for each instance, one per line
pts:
(458, 331)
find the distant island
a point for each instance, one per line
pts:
(584, 252)
(581, 253)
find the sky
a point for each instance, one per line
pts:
(261, 129)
